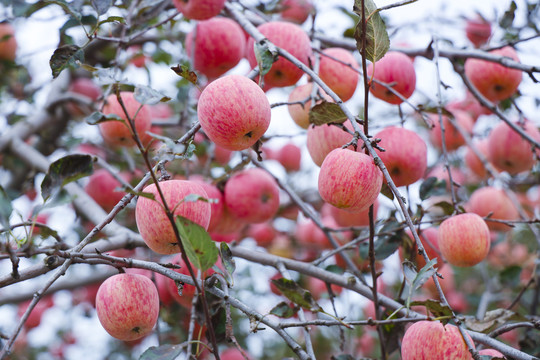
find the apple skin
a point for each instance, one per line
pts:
(339, 77)
(127, 306)
(508, 151)
(491, 352)
(349, 180)
(103, 188)
(8, 42)
(452, 137)
(291, 38)
(252, 195)
(152, 222)
(217, 207)
(434, 341)
(464, 239)
(117, 133)
(263, 233)
(347, 219)
(489, 200)
(289, 156)
(299, 113)
(199, 9)
(34, 319)
(474, 163)
(218, 46)
(229, 223)
(321, 140)
(233, 354)
(310, 236)
(496, 82)
(469, 104)
(478, 31)
(394, 68)
(234, 112)
(429, 238)
(83, 86)
(296, 11)
(439, 171)
(405, 156)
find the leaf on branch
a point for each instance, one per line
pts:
(446, 207)
(386, 191)
(200, 249)
(65, 56)
(283, 310)
(417, 279)
(5, 207)
(493, 319)
(265, 58)
(115, 19)
(65, 170)
(325, 113)
(148, 96)
(297, 294)
(342, 357)
(507, 20)
(101, 6)
(98, 117)
(227, 260)
(140, 194)
(68, 8)
(163, 352)
(444, 313)
(432, 187)
(386, 244)
(377, 40)
(183, 71)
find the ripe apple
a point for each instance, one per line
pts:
(188, 291)
(83, 86)
(309, 235)
(469, 104)
(405, 154)
(199, 9)
(338, 76)
(263, 233)
(217, 205)
(435, 341)
(349, 180)
(325, 138)
(222, 155)
(473, 162)
(495, 81)
(219, 45)
(452, 137)
(252, 195)
(8, 43)
(464, 239)
(397, 70)
(104, 189)
(318, 288)
(291, 38)
(508, 253)
(137, 56)
(300, 113)
(429, 238)
(478, 31)
(229, 223)
(289, 156)
(508, 151)
(233, 354)
(439, 171)
(152, 222)
(34, 319)
(346, 218)
(117, 133)
(491, 352)
(296, 11)
(127, 306)
(489, 200)
(234, 112)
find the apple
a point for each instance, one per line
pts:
(227, 238)
(127, 306)
(118, 133)
(229, 223)
(216, 205)
(491, 352)
(188, 291)
(405, 154)
(452, 137)
(234, 112)
(473, 162)
(349, 180)
(464, 239)
(300, 113)
(296, 11)
(215, 46)
(338, 76)
(103, 187)
(321, 140)
(435, 341)
(469, 104)
(309, 235)
(508, 253)
(478, 31)
(489, 200)
(152, 222)
(34, 319)
(429, 238)
(263, 233)
(494, 81)
(222, 155)
(199, 9)
(291, 38)
(252, 195)
(137, 56)
(508, 151)
(440, 172)
(8, 42)
(83, 86)
(394, 69)
(318, 288)
(347, 219)
(233, 354)
(289, 156)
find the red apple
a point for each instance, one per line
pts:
(8, 43)
(397, 70)
(491, 352)
(309, 235)
(152, 222)
(229, 223)
(234, 112)
(127, 306)
(83, 86)
(434, 341)
(508, 253)
(429, 238)
(464, 239)
(469, 104)
(325, 138)
(219, 45)
(104, 189)
(263, 233)
(188, 291)
(346, 218)
(290, 37)
(233, 354)
(452, 137)
(473, 162)
(342, 79)
(252, 195)
(405, 154)
(349, 180)
(296, 11)
(478, 31)
(34, 319)
(222, 155)
(117, 133)
(300, 113)
(137, 56)
(495, 81)
(199, 9)
(489, 200)
(439, 171)
(217, 204)
(289, 156)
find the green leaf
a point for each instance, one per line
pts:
(447, 208)
(65, 56)
(147, 195)
(386, 244)
(65, 170)
(342, 357)
(98, 117)
(200, 249)
(297, 294)
(5, 207)
(386, 191)
(507, 19)
(265, 58)
(335, 269)
(227, 258)
(68, 8)
(101, 6)
(435, 308)
(416, 280)
(147, 95)
(115, 19)
(71, 23)
(183, 71)
(432, 187)
(283, 310)
(325, 113)
(163, 352)
(377, 40)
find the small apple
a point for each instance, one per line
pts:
(229, 223)
(289, 156)
(233, 354)
(341, 78)
(127, 306)
(452, 137)
(347, 218)
(263, 233)
(489, 200)
(199, 9)
(478, 31)
(474, 163)
(300, 113)
(234, 112)
(296, 11)
(217, 203)
(83, 86)
(103, 187)
(34, 319)
(429, 238)
(469, 104)
(325, 138)
(8, 43)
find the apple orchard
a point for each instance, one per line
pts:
(240, 179)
